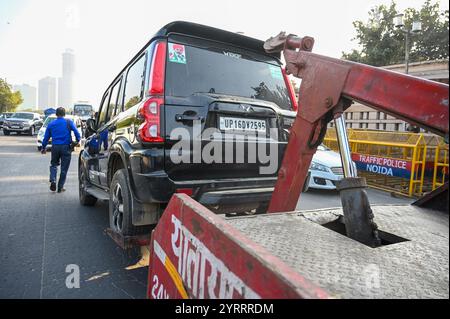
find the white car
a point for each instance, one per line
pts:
(50, 118)
(326, 169)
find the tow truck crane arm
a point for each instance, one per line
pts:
(328, 85)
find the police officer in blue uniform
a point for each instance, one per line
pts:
(60, 130)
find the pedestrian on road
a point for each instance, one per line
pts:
(60, 130)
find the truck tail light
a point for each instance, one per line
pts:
(150, 130)
(291, 90)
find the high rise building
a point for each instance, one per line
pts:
(47, 93)
(28, 93)
(65, 83)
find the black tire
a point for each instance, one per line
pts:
(262, 209)
(31, 131)
(120, 206)
(6, 132)
(306, 185)
(85, 198)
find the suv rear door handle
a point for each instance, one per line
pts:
(185, 118)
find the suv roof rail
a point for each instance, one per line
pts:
(207, 32)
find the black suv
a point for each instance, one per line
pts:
(198, 87)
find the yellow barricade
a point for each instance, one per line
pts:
(440, 172)
(405, 163)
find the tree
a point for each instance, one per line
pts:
(9, 100)
(383, 44)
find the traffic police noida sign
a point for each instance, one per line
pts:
(382, 165)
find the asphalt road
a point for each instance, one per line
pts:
(42, 232)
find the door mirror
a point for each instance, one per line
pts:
(90, 124)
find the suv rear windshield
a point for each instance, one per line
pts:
(193, 70)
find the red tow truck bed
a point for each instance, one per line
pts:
(197, 254)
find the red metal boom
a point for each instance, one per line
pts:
(328, 85)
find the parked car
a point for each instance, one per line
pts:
(50, 118)
(325, 169)
(4, 116)
(187, 72)
(22, 122)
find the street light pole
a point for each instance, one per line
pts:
(416, 27)
(407, 51)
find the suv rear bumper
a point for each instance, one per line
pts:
(157, 187)
(242, 196)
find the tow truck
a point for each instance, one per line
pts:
(353, 251)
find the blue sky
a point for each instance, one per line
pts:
(8, 11)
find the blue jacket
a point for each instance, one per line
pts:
(60, 133)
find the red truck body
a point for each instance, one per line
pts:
(288, 254)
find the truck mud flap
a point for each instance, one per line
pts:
(127, 242)
(197, 254)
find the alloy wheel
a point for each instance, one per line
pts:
(117, 208)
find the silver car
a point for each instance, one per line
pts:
(22, 122)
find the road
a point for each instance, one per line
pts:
(42, 232)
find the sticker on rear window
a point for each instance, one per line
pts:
(232, 55)
(275, 72)
(177, 53)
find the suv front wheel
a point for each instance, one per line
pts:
(120, 206)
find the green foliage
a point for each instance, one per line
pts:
(9, 100)
(383, 44)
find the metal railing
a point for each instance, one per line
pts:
(408, 164)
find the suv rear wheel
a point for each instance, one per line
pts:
(6, 132)
(120, 206)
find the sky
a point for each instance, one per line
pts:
(105, 35)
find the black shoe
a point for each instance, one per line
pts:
(52, 186)
(60, 190)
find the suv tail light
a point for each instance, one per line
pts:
(291, 90)
(150, 129)
(158, 69)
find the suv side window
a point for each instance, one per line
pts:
(102, 111)
(134, 83)
(113, 101)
